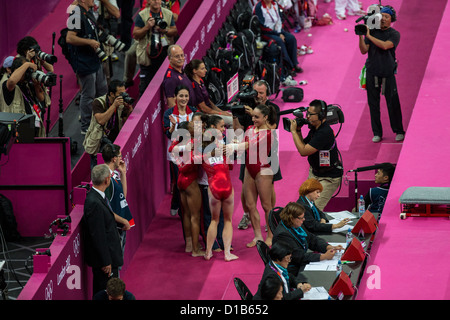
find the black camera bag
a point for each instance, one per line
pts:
(292, 94)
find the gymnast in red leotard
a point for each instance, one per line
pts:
(191, 199)
(220, 191)
(258, 173)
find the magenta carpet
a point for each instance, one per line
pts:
(410, 253)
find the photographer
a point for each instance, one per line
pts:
(85, 47)
(20, 93)
(109, 113)
(381, 67)
(154, 30)
(321, 149)
(29, 48)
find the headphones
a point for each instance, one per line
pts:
(323, 110)
(264, 82)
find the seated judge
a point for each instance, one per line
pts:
(280, 256)
(315, 220)
(290, 230)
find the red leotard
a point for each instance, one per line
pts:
(257, 140)
(218, 177)
(187, 172)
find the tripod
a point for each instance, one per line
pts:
(61, 110)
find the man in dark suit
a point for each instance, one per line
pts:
(102, 248)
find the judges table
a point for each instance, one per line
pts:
(354, 269)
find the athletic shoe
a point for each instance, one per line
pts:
(114, 57)
(376, 139)
(341, 16)
(289, 82)
(357, 13)
(399, 137)
(245, 222)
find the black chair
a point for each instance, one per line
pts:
(243, 290)
(263, 250)
(274, 218)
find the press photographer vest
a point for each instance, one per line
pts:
(143, 46)
(18, 104)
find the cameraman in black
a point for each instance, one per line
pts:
(83, 43)
(20, 93)
(321, 149)
(154, 30)
(381, 67)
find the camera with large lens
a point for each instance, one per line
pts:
(101, 54)
(160, 23)
(106, 38)
(126, 98)
(48, 80)
(44, 56)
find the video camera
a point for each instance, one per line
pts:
(44, 56)
(334, 116)
(246, 97)
(372, 18)
(48, 80)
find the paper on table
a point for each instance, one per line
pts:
(342, 215)
(327, 265)
(316, 293)
(341, 229)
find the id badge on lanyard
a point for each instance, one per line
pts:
(324, 158)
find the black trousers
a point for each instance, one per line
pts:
(373, 88)
(148, 72)
(100, 278)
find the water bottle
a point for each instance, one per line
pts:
(338, 268)
(361, 206)
(349, 236)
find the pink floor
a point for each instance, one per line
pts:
(410, 254)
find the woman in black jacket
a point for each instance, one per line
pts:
(315, 220)
(292, 289)
(290, 230)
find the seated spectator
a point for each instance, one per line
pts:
(376, 197)
(315, 220)
(269, 16)
(22, 94)
(115, 290)
(280, 255)
(175, 75)
(307, 247)
(196, 71)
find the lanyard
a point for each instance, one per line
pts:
(268, 12)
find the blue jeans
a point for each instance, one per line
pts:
(288, 50)
(92, 86)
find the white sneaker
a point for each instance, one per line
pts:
(289, 82)
(376, 139)
(399, 137)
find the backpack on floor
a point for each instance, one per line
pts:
(292, 94)
(213, 82)
(271, 73)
